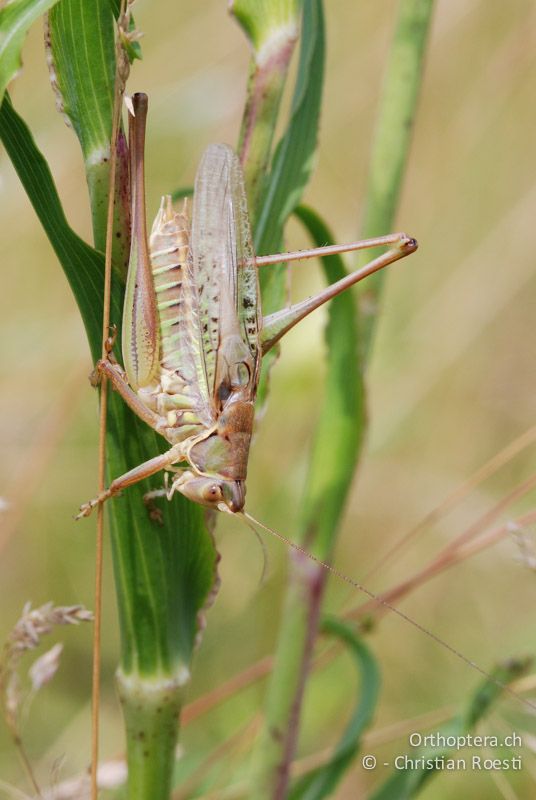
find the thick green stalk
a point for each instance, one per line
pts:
(163, 571)
(342, 425)
(151, 710)
(164, 561)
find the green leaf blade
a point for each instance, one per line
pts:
(340, 428)
(293, 160)
(82, 47)
(16, 19)
(84, 266)
(292, 166)
(80, 42)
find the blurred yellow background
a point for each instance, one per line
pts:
(452, 378)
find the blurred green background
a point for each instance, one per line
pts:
(451, 380)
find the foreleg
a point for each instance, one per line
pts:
(135, 475)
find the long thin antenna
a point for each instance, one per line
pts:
(359, 586)
(243, 517)
(260, 540)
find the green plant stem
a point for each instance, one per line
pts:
(332, 465)
(391, 144)
(164, 569)
(151, 709)
(280, 193)
(300, 619)
(272, 28)
(335, 450)
(163, 573)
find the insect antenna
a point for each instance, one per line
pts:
(260, 540)
(359, 586)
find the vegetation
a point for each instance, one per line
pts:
(305, 737)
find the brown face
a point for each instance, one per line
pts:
(219, 461)
(234, 494)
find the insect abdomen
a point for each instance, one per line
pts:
(182, 374)
(169, 255)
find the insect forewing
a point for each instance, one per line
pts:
(140, 323)
(225, 273)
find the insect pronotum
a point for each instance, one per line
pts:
(193, 330)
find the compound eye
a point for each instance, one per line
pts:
(213, 493)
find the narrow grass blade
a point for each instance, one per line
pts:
(405, 784)
(322, 781)
(292, 164)
(291, 169)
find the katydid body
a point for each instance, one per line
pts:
(193, 331)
